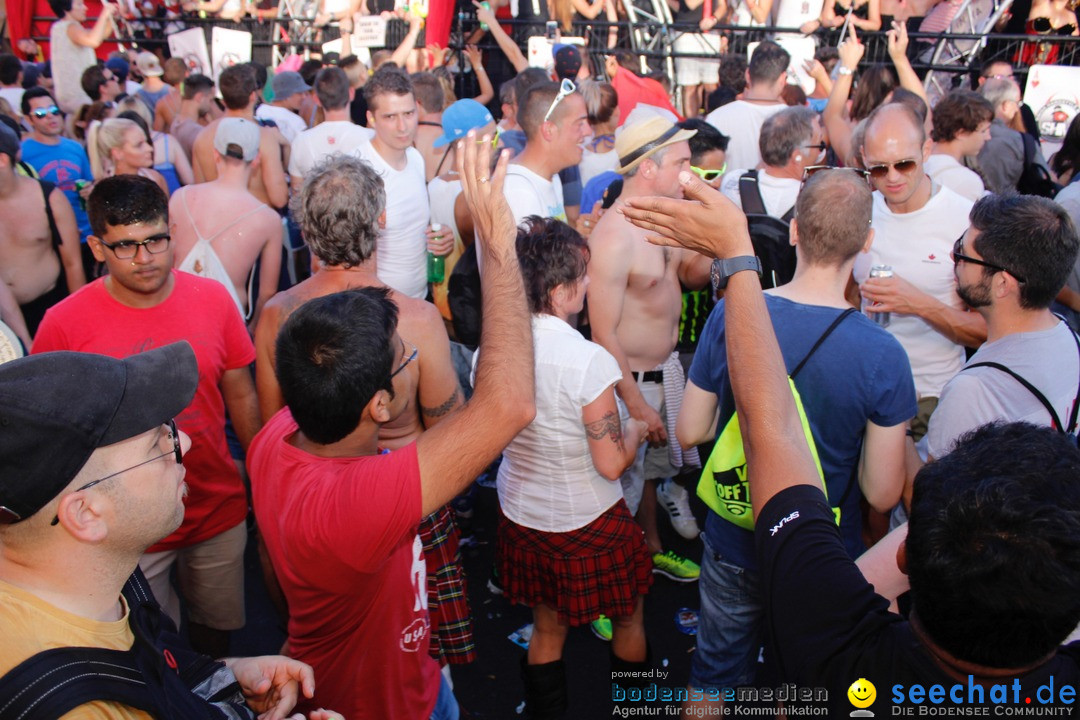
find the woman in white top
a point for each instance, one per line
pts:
(119, 147)
(71, 48)
(602, 106)
(567, 544)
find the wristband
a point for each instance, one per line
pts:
(842, 70)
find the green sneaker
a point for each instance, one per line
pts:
(675, 567)
(601, 627)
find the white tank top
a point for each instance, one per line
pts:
(68, 63)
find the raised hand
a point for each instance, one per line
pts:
(851, 51)
(483, 192)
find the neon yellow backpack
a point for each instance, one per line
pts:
(723, 485)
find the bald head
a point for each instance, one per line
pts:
(895, 120)
(827, 237)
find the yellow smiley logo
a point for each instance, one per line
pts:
(862, 693)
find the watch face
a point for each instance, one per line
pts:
(716, 278)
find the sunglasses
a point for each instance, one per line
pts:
(881, 170)
(565, 89)
(709, 175)
(811, 170)
(494, 138)
(45, 112)
(176, 452)
(959, 256)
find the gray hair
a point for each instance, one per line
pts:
(338, 210)
(785, 132)
(656, 157)
(999, 90)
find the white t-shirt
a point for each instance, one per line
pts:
(793, 13)
(402, 259)
(947, 171)
(529, 194)
(742, 121)
(14, 98)
(1047, 359)
(69, 61)
(778, 194)
(288, 122)
(918, 245)
(592, 164)
(329, 138)
(547, 480)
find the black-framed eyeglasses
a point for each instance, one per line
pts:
(127, 249)
(881, 170)
(176, 451)
(45, 112)
(959, 256)
(405, 363)
(566, 88)
(820, 147)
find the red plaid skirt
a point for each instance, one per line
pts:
(448, 604)
(600, 568)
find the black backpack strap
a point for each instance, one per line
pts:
(789, 215)
(828, 331)
(750, 194)
(1031, 388)
(1076, 401)
(46, 190)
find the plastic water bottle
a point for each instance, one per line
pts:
(487, 6)
(436, 264)
(881, 318)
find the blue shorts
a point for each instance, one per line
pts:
(730, 622)
(446, 707)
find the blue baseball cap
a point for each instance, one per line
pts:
(119, 67)
(460, 118)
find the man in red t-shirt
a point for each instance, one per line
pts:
(142, 304)
(339, 519)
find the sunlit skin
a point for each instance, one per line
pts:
(144, 280)
(393, 119)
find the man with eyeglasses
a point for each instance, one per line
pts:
(58, 159)
(91, 474)
(100, 84)
(143, 303)
(1010, 265)
(1003, 158)
(790, 141)
(915, 222)
(555, 122)
(39, 241)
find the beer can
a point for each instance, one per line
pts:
(881, 318)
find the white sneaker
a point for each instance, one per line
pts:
(676, 500)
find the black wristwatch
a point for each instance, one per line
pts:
(724, 269)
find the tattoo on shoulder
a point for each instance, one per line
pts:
(446, 407)
(608, 426)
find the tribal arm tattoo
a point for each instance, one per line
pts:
(608, 426)
(440, 410)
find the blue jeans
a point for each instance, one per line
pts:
(446, 707)
(729, 625)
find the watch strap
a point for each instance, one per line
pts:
(723, 269)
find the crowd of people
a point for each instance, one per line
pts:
(326, 300)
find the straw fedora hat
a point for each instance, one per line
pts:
(637, 142)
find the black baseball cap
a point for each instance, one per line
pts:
(57, 408)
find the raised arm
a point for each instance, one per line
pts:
(777, 456)
(487, 90)
(401, 52)
(873, 17)
(835, 115)
(455, 451)
(93, 37)
(505, 42)
(898, 46)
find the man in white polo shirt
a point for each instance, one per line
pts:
(402, 242)
(915, 224)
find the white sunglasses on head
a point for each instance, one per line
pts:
(565, 89)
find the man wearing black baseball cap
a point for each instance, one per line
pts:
(90, 476)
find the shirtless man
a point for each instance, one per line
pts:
(237, 228)
(430, 102)
(32, 252)
(340, 210)
(237, 86)
(634, 300)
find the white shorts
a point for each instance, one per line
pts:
(697, 71)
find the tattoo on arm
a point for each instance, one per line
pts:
(609, 426)
(444, 408)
